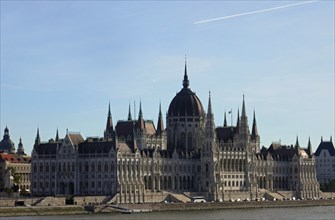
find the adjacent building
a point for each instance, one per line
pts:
(14, 166)
(325, 162)
(138, 162)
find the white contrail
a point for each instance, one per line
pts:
(253, 12)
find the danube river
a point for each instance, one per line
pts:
(315, 212)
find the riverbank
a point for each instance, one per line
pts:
(42, 210)
(155, 207)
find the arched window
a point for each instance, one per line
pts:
(41, 167)
(93, 167)
(35, 167)
(47, 168)
(86, 167)
(112, 166)
(53, 167)
(99, 167)
(190, 141)
(64, 167)
(106, 167)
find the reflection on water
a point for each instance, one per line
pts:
(305, 213)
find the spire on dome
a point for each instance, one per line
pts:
(20, 149)
(186, 82)
(225, 120)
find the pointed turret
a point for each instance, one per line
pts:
(186, 82)
(244, 127)
(254, 132)
(297, 146)
(160, 125)
(109, 125)
(309, 147)
(210, 126)
(244, 115)
(129, 114)
(37, 139)
(141, 125)
(20, 149)
(225, 120)
(238, 121)
(57, 136)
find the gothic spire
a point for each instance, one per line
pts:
(160, 125)
(254, 132)
(186, 83)
(210, 127)
(57, 137)
(238, 119)
(109, 125)
(225, 120)
(297, 146)
(129, 114)
(209, 110)
(37, 139)
(243, 109)
(309, 147)
(140, 118)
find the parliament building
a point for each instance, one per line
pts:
(137, 161)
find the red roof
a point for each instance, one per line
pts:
(14, 158)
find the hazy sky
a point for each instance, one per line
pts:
(63, 62)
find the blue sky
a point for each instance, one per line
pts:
(63, 62)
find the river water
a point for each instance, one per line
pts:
(305, 213)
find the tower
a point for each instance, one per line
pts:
(185, 120)
(109, 131)
(208, 153)
(20, 149)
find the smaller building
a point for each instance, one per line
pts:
(325, 162)
(14, 166)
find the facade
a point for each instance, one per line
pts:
(13, 164)
(325, 162)
(190, 156)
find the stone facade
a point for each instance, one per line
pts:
(325, 162)
(142, 163)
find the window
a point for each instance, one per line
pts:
(106, 167)
(93, 167)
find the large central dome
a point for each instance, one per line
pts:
(185, 103)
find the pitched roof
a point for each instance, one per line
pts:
(225, 133)
(94, 147)
(325, 145)
(49, 148)
(14, 158)
(150, 127)
(76, 138)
